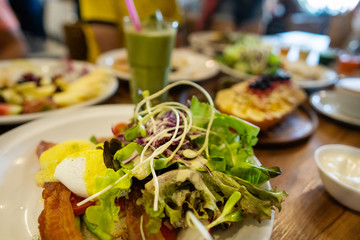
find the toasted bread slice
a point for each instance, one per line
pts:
(263, 106)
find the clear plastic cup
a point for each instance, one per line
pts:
(149, 54)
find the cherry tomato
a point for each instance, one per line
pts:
(119, 128)
(120, 203)
(79, 210)
(168, 231)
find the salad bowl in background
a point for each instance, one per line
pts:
(247, 57)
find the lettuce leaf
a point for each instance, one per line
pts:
(185, 189)
(231, 144)
(100, 218)
(255, 201)
(190, 187)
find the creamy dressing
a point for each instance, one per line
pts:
(346, 168)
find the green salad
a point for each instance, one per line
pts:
(194, 164)
(249, 55)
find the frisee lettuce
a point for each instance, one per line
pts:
(230, 144)
(182, 190)
(214, 176)
(100, 218)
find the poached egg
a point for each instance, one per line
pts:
(74, 163)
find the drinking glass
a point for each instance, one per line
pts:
(149, 54)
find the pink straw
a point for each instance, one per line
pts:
(133, 14)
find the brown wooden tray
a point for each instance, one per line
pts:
(296, 127)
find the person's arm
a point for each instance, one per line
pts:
(12, 43)
(100, 26)
(107, 36)
(249, 16)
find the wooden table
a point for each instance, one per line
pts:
(309, 212)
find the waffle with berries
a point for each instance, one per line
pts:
(263, 101)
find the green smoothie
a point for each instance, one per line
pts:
(149, 54)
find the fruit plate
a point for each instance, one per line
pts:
(49, 68)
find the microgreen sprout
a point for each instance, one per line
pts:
(192, 221)
(176, 108)
(227, 214)
(188, 153)
(146, 117)
(142, 228)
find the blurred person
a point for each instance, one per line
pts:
(240, 15)
(354, 36)
(12, 43)
(103, 21)
(30, 16)
(344, 30)
(280, 15)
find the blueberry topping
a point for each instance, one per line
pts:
(266, 81)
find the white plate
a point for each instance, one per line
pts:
(20, 198)
(325, 76)
(310, 77)
(326, 103)
(234, 73)
(189, 65)
(51, 67)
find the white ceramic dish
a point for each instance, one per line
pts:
(49, 67)
(348, 91)
(234, 73)
(187, 65)
(326, 102)
(310, 77)
(324, 76)
(20, 198)
(337, 164)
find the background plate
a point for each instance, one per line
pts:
(310, 77)
(327, 104)
(50, 67)
(186, 65)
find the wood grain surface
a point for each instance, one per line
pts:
(309, 212)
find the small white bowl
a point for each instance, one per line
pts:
(337, 164)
